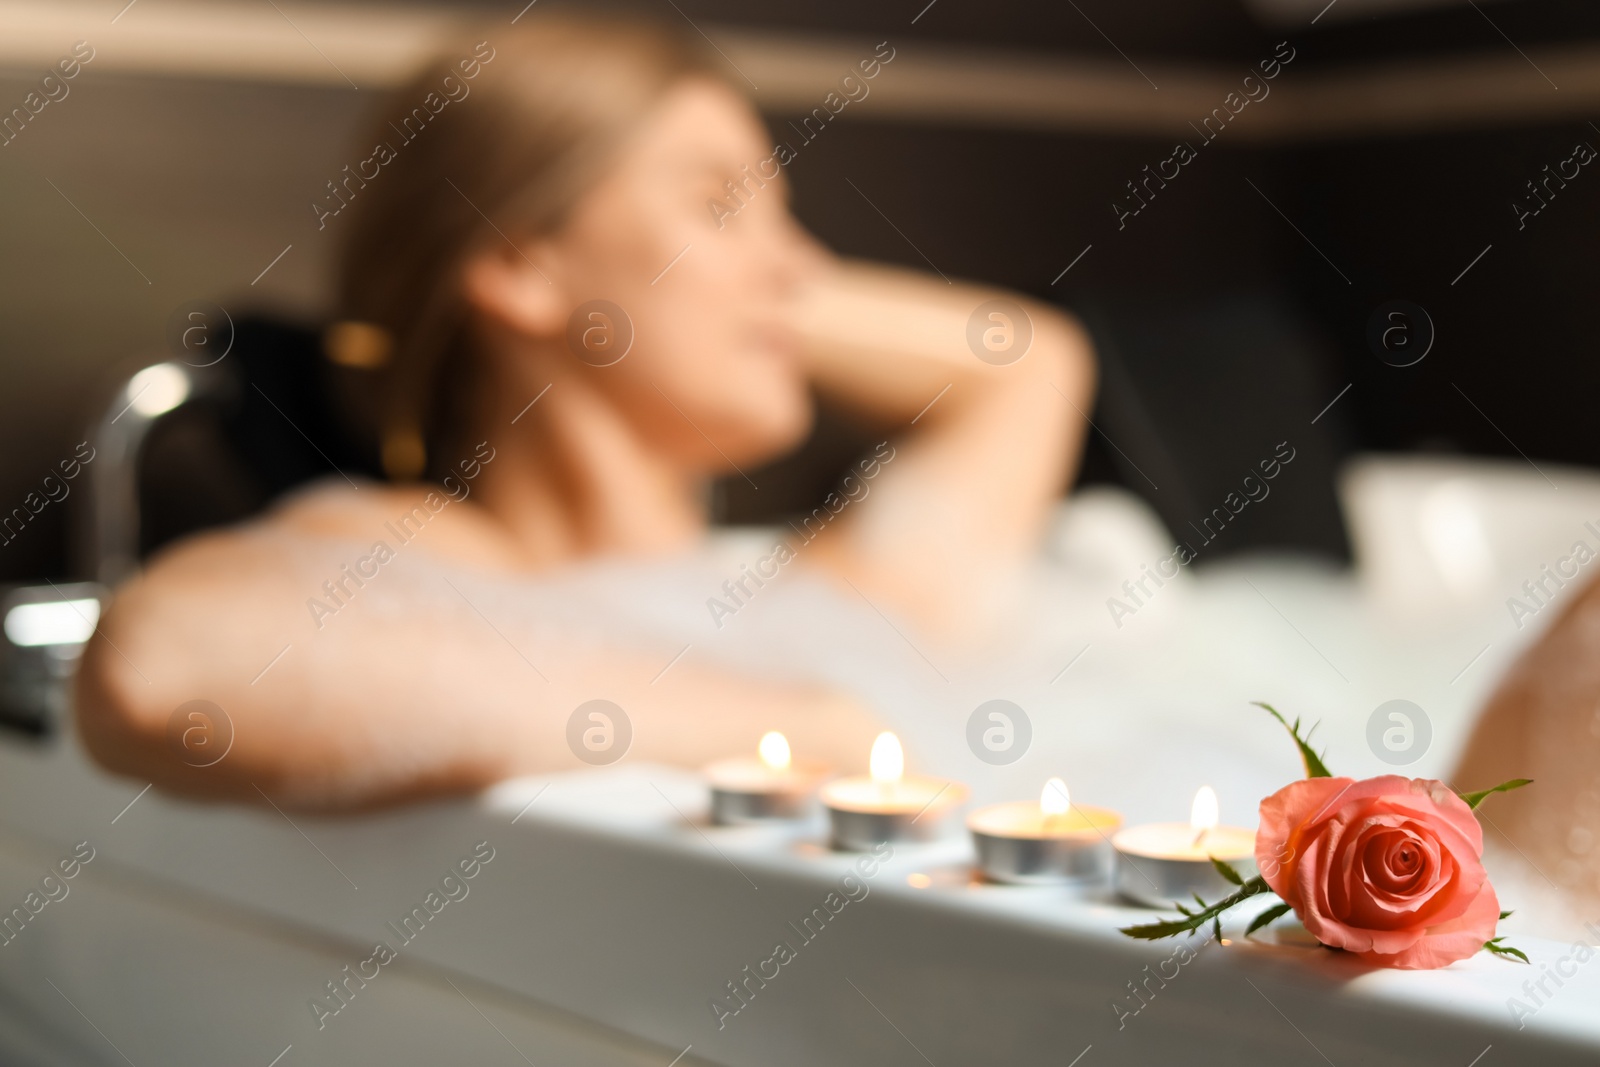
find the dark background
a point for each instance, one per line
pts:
(1243, 330)
(1223, 330)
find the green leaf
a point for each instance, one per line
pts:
(1505, 915)
(1226, 871)
(1193, 921)
(1506, 951)
(1474, 799)
(1277, 911)
(1157, 930)
(1315, 768)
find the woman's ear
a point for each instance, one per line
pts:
(508, 285)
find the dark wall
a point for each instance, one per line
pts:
(1315, 239)
(1514, 336)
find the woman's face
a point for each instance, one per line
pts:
(706, 275)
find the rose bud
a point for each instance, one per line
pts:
(1388, 868)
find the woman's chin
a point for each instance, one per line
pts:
(756, 435)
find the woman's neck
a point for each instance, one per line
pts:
(571, 478)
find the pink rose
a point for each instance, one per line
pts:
(1388, 868)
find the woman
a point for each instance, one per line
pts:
(580, 161)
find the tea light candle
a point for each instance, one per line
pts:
(1165, 863)
(887, 805)
(770, 786)
(1049, 842)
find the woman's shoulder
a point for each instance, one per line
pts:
(328, 517)
(439, 522)
(333, 508)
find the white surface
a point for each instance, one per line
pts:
(198, 935)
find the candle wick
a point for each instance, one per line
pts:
(1201, 836)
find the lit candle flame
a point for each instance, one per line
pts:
(1055, 800)
(888, 762)
(774, 750)
(1203, 816)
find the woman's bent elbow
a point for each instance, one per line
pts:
(116, 726)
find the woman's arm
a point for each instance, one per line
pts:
(986, 450)
(379, 705)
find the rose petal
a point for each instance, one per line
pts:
(1462, 853)
(1447, 942)
(1282, 818)
(1353, 858)
(1429, 798)
(1398, 863)
(1319, 916)
(1430, 872)
(1426, 796)
(1373, 911)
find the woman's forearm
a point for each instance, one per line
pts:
(983, 449)
(885, 341)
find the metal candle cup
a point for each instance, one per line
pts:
(865, 813)
(888, 806)
(1161, 864)
(1022, 844)
(746, 790)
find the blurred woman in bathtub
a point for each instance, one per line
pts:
(576, 242)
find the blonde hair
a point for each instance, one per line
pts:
(536, 127)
